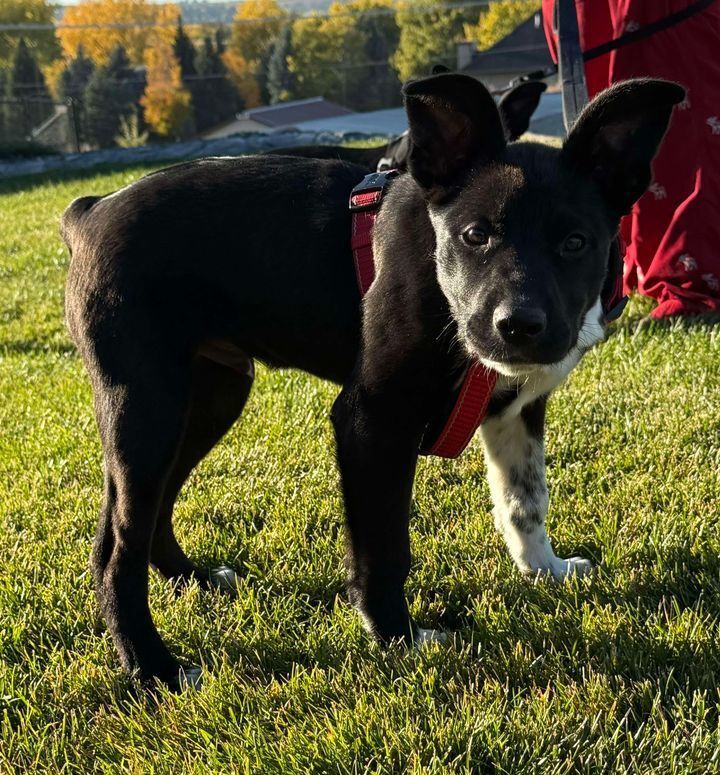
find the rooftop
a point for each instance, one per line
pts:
(286, 114)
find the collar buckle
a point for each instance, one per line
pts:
(369, 191)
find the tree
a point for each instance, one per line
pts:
(243, 76)
(26, 84)
(426, 37)
(75, 76)
(256, 25)
(52, 73)
(167, 105)
(151, 25)
(377, 85)
(109, 95)
(221, 36)
(255, 28)
(43, 43)
(324, 49)
(280, 79)
(331, 54)
(184, 51)
(499, 20)
(4, 130)
(72, 84)
(214, 96)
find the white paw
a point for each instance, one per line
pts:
(560, 570)
(574, 566)
(425, 637)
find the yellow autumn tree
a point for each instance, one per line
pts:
(256, 26)
(244, 77)
(167, 105)
(336, 54)
(499, 20)
(323, 47)
(52, 73)
(427, 37)
(102, 25)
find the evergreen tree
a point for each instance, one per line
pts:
(184, 51)
(74, 78)
(26, 84)
(119, 66)
(130, 81)
(72, 84)
(376, 85)
(214, 96)
(109, 95)
(262, 70)
(221, 36)
(280, 80)
(3, 107)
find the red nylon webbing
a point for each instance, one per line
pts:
(478, 384)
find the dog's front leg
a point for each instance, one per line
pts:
(377, 448)
(515, 456)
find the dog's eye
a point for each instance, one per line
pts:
(573, 244)
(474, 235)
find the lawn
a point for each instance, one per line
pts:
(617, 673)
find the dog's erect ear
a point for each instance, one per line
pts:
(453, 122)
(518, 105)
(618, 134)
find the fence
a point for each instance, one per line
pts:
(45, 122)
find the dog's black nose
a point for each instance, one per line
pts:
(519, 325)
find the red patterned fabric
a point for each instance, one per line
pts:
(673, 232)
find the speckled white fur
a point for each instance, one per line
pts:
(516, 460)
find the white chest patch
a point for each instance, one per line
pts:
(535, 381)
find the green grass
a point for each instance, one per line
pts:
(618, 673)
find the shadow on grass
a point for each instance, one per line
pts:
(635, 650)
(30, 182)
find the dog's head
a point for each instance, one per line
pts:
(524, 231)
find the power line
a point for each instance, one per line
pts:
(420, 11)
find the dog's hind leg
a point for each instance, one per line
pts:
(219, 393)
(515, 457)
(142, 396)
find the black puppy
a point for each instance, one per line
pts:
(484, 250)
(516, 108)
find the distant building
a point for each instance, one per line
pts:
(284, 115)
(522, 51)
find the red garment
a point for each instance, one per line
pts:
(673, 231)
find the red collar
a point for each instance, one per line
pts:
(473, 396)
(471, 402)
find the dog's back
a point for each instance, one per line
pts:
(235, 244)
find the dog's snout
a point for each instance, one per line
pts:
(519, 325)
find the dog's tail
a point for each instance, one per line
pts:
(73, 216)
